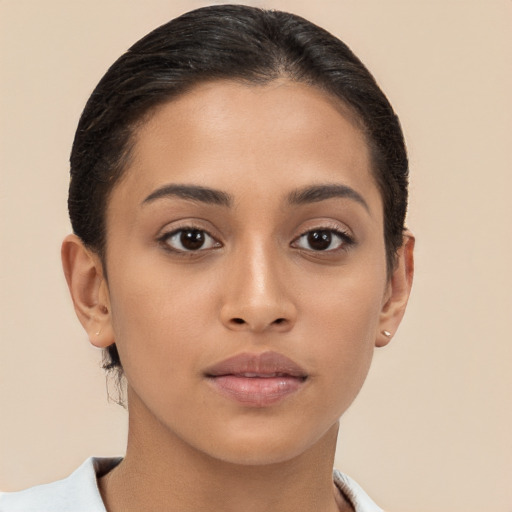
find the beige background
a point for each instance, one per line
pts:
(432, 428)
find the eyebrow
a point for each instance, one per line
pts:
(316, 193)
(310, 194)
(194, 192)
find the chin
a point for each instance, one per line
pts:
(258, 456)
(263, 450)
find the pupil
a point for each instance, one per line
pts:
(319, 240)
(192, 239)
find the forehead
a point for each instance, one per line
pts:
(219, 106)
(223, 133)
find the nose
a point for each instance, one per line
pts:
(257, 297)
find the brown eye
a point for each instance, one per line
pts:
(319, 240)
(192, 240)
(322, 240)
(188, 240)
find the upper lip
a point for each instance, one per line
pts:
(266, 364)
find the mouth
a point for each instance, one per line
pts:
(256, 380)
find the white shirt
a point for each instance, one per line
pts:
(79, 492)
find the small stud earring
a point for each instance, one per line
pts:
(386, 333)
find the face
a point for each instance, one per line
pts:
(246, 269)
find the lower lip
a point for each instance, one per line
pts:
(256, 391)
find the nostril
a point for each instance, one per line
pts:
(238, 323)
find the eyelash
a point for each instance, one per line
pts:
(345, 240)
(165, 239)
(327, 235)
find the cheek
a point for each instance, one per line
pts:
(346, 304)
(350, 315)
(344, 318)
(158, 321)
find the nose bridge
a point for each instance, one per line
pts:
(261, 270)
(256, 297)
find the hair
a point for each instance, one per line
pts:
(232, 42)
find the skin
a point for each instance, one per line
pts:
(257, 284)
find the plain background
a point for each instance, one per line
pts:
(432, 428)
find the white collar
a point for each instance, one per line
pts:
(79, 492)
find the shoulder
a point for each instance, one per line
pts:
(76, 493)
(354, 493)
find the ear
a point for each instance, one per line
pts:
(397, 292)
(89, 291)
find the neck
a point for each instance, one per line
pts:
(163, 473)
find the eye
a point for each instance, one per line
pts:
(189, 240)
(322, 240)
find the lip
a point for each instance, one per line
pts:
(256, 380)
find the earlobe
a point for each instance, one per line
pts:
(398, 291)
(89, 291)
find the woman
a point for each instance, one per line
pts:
(238, 194)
